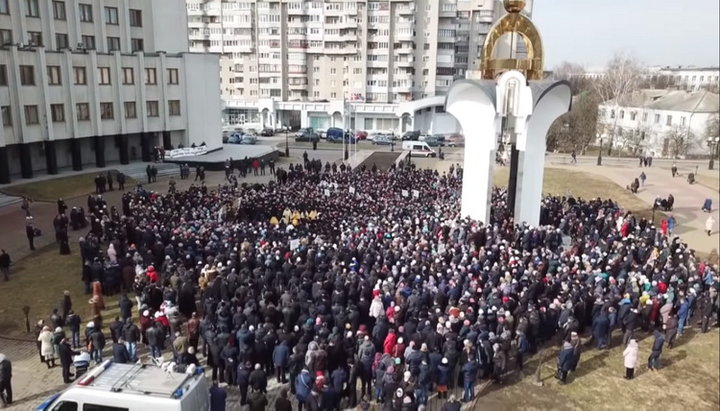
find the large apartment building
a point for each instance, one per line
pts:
(90, 82)
(365, 54)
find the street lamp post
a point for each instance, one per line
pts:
(712, 144)
(287, 144)
(599, 160)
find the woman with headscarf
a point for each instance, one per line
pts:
(630, 359)
(46, 346)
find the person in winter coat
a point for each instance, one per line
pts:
(156, 339)
(218, 396)
(97, 340)
(443, 378)
(5, 381)
(499, 363)
(683, 316)
(258, 379)
(281, 357)
(657, 347)
(120, 352)
(303, 385)
(282, 403)
(630, 355)
(469, 372)
(389, 343)
(66, 353)
(565, 361)
(243, 380)
(258, 401)
(671, 330)
(46, 346)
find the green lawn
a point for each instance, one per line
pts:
(39, 281)
(62, 187)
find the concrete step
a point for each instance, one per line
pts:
(6, 200)
(164, 170)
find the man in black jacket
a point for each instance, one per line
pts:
(5, 264)
(258, 379)
(65, 352)
(116, 328)
(120, 352)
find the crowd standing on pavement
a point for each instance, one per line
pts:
(355, 286)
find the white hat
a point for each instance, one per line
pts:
(146, 313)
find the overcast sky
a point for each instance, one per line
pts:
(658, 32)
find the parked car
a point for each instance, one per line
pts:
(248, 139)
(418, 149)
(321, 132)
(373, 136)
(433, 141)
(336, 135)
(309, 136)
(361, 134)
(411, 135)
(455, 140)
(235, 138)
(382, 140)
(267, 132)
(303, 131)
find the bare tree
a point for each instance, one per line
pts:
(679, 139)
(712, 126)
(574, 74)
(622, 78)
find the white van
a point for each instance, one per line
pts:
(133, 387)
(418, 149)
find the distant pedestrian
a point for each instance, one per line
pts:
(5, 265)
(673, 169)
(643, 177)
(110, 181)
(30, 232)
(25, 206)
(574, 157)
(657, 347)
(709, 224)
(120, 177)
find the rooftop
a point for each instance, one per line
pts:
(701, 101)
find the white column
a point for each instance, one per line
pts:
(531, 159)
(475, 111)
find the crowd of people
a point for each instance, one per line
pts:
(359, 285)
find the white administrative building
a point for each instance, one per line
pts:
(95, 82)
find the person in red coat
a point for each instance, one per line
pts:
(390, 341)
(664, 227)
(152, 275)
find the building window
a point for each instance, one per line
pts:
(53, 73)
(682, 121)
(174, 107)
(3, 74)
(130, 109)
(645, 117)
(622, 114)
(113, 43)
(6, 115)
(27, 75)
(88, 42)
(150, 76)
(135, 18)
(137, 44)
(111, 15)
(103, 76)
(59, 10)
(657, 118)
(35, 38)
(31, 115)
(152, 109)
(5, 37)
(83, 111)
(173, 76)
(106, 111)
(31, 8)
(612, 113)
(57, 112)
(4, 9)
(61, 40)
(128, 75)
(668, 120)
(86, 13)
(633, 115)
(80, 75)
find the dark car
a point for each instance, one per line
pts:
(309, 136)
(336, 135)
(411, 135)
(267, 132)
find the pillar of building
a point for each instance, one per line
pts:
(167, 140)
(145, 147)
(122, 142)
(26, 170)
(50, 157)
(99, 142)
(4, 165)
(76, 151)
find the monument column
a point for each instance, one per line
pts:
(4, 165)
(50, 157)
(76, 150)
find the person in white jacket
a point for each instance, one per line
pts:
(630, 355)
(709, 223)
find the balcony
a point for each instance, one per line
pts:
(404, 36)
(447, 13)
(298, 86)
(404, 50)
(408, 62)
(376, 63)
(408, 10)
(402, 89)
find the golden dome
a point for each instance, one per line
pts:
(514, 6)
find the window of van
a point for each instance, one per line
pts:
(94, 407)
(65, 406)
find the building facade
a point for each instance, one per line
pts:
(93, 82)
(660, 123)
(687, 78)
(357, 52)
